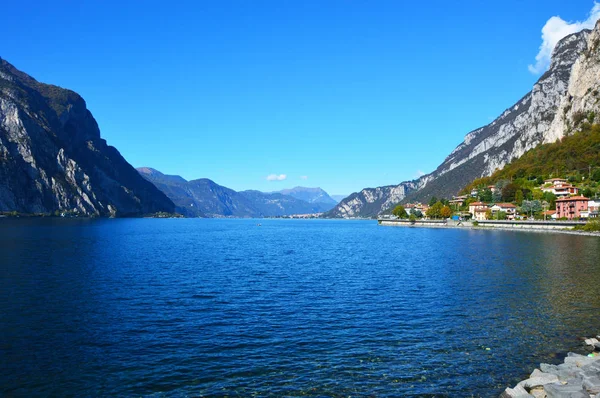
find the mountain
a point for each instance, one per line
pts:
(205, 198)
(277, 204)
(52, 158)
(572, 143)
(338, 198)
(311, 195)
(529, 122)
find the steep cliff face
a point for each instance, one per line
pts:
(52, 157)
(520, 128)
(371, 201)
(582, 100)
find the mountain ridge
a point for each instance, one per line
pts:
(205, 198)
(53, 159)
(521, 127)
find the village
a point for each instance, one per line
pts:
(556, 199)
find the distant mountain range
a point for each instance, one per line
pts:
(310, 195)
(205, 198)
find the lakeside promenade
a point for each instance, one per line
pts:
(526, 225)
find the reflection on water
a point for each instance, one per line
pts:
(221, 307)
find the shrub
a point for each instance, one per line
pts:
(592, 226)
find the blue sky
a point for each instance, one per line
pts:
(337, 94)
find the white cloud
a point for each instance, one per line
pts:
(555, 29)
(276, 177)
(304, 177)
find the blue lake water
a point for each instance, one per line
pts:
(192, 307)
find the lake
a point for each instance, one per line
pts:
(209, 307)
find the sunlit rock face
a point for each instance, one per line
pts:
(52, 158)
(543, 115)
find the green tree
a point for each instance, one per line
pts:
(400, 212)
(509, 191)
(416, 213)
(550, 198)
(519, 196)
(486, 195)
(433, 201)
(531, 207)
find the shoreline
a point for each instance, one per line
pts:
(538, 227)
(577, 376)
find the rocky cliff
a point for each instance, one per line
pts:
(531, 121)
(581, 103)
(52, 157)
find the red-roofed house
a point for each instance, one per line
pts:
(571, 207)
(478, 209)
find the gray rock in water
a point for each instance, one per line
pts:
(592, 368)
(592, 384)
(547, 368)
(579, 360)
(558, 390)
(517, 392)
(568, 371)
(538, 378)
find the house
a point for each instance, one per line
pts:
(549, 214)
(492, 188)
(457, 201)
(508, 208)
(571, 207)
(561, 190)
(474, 192)
(593, 208)
(478, 210)
(554, 181)
(480, 214)
(559, 187)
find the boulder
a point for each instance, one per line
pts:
(578, 360)
(558, 390)
(592, 384)
(517, 392)
(537, 379)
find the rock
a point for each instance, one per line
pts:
(579, 360)
(517, 392)
(538, 392)
(53, 159)
(546, 368)
(558, 390)
(538, 379)
(591, 341)
(592, 368)
(592, 384)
